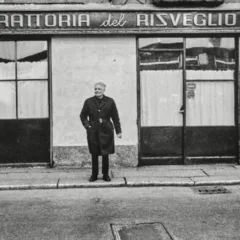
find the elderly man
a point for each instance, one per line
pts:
(95, 116)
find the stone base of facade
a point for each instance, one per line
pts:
(79, 156)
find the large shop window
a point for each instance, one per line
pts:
(209, 65)
(23, 79)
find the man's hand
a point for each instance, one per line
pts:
(119, 135)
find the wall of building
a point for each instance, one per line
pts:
(78, 63)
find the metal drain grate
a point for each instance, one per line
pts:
(140, 231)
(210, 190)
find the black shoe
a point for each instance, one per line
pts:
(92, 178)
(106, 178)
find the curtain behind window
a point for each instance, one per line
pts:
(32, 60)
(161, 98)
(7, 61)
(7, 100)
(33, 99)
(212, 104)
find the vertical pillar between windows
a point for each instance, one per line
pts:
(16, 77)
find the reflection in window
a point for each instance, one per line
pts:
(160, 43)
(210, 53)
(32, 59)
(160, 60)
(7, 60)
(7, 100)
(156, 54)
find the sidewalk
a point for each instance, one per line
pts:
(65, 177)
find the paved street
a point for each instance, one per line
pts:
(86, 214)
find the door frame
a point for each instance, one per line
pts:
(153, 161)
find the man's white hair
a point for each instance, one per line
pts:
(101, 84)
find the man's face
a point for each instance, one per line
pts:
(99, 90)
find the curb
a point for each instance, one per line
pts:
(114, 185)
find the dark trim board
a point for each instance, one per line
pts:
(189, 160)
(144, 161)
(24, 165)
(211, 160)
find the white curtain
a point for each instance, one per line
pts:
(33, 99)
(7, 53)
(34, 69)
(161, 98)
(210, 75)
(7, 100)
(212, 104)
(7, 71)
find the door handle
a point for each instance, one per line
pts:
(182, 110)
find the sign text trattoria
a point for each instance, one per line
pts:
(128, 20)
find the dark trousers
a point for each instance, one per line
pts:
(105, 165)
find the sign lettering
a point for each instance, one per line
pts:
(117, 21)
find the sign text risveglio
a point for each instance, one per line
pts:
(118, 20)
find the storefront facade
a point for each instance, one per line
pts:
(173, 73)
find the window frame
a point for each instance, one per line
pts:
(16, 80)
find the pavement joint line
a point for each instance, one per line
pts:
(170, 235)
(194, 182)
(205, 172)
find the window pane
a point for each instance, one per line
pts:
(33, 99)
(32, 60)
(210, 58)
(210, 104)
(7, 60)
(153, 57)
(7, 100)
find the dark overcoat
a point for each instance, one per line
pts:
(96, 118)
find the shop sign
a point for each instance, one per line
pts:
(116, 21)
